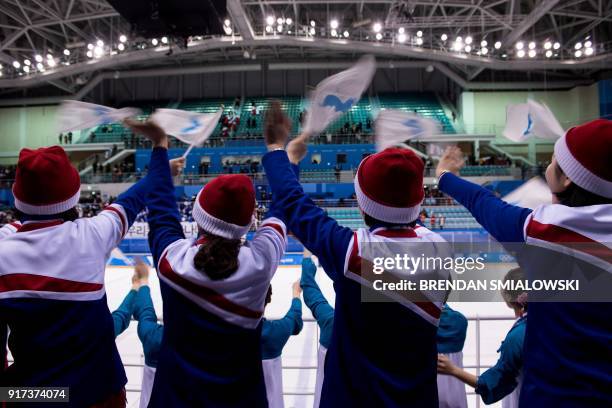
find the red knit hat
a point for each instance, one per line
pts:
(45, 182)
(389, 185)
(225, 206)
(584, 154)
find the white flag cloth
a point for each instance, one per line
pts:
(335, 95)
(526, 120)
(192, 128)
(394, 127)
(531, 194)
(77, 115)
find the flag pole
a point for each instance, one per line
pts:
(188, 151)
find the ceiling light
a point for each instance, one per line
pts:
(227, 22)
(497, 45)
(312, 23)
(121, 47)
(520, 53)
(16, 64)
(51, 62)
(484, 43)
(89, 54)
(26, 69)
(519, 45)
(578, 54)
(578, 46)
(457, 46)
(532, 53)
(122, 38)
(468, 48)
(154, 42)
(549, 53)
(419, 33)
(228, 30)
(588, 44)
(547, 45)
(588, 51)
(312, 31)
(468, 40)
(40, 66)
(401, 38)
(280, 20)
(164, 40)
(401, 30)
(377, 27)
(26, 62)
(66, 52)
(346, 34)
(279, 28)
(289, 21)
(444, 37)
(378, 36)
(269, 29)
(556, 46)
(270, 20)
(532, 45)
(98, 51)
(459, 40)
(419, 41)
(90, 46)
(484, 50)
(100, 43)
(334, 24)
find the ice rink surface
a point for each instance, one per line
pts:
(301, 351)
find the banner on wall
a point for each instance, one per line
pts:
(140, 230)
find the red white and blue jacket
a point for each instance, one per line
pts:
(381, 353)
(53, 300)
(211, 348)
(567, 358)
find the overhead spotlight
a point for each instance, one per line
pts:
(588, 51)
(419, 41)
(548, 54)
(280, 20)
(51, 62)
(154, 42)
(520, 53)
(379, 36)
(468, 40)
(26, 69)
(0, 73)
(289, 21)
(444, 37)
(90, 46)
(519, 45)
(270, 20)
(457, 46)
(532, 53)
(279, 28)
(89, 54)
(98, 51)
(377, 27)
(578, 46)
(578, 54)
(246, 55)
(333, 24)
(484, 43)
(401, 30)
(419, 33)
(484, 50)
(122, 38)
(40, 66)
(468, 48)
(401, 38)
(556, 46)
(588, 44)
(532, 45)
(334, 33)
(312, 23)
(100, 43)
(312, 31)
(121, 47)
(227, 22)
(459, 39)
(26, 62)
(345, 34)
(269, 29)
(164, 40)
(49, 56)
(228, 30)
(497, 45)
(547, 45)
(16, 64)
(66, 52)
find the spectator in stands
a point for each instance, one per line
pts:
(92, 137)
(338, 171)
(442, 222)
(368, 123)
(504, 378)
(69, 137)
(432, 220)
(66, 138)
(61, 138)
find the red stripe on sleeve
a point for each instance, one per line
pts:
(25, 281)
(277, 227)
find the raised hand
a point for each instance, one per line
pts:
(297, 148)
(277, 126)
(177, 165)
(148, 129)
(297, 289)
(452, 160)
(141, 270)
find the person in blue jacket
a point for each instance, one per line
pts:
(274, 336)
(451, 338)
(322, 312)
(567, 359)
(213, 288)
(504, 378)
(123, 314)
(382, 352)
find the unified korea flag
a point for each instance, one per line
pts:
(336, 95)
(193, 128)
(531, 119)
(77, 115)
(394, 127)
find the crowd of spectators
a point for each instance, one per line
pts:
(7, 175)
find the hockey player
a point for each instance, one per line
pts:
(52, 293)
(214, 290)
(382, 353)
(451, 338)
(567, 359)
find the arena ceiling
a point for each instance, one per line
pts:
(58, 47)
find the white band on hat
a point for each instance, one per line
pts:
(49, 209)
(214, 225)
(394, 215)
(579, 174)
